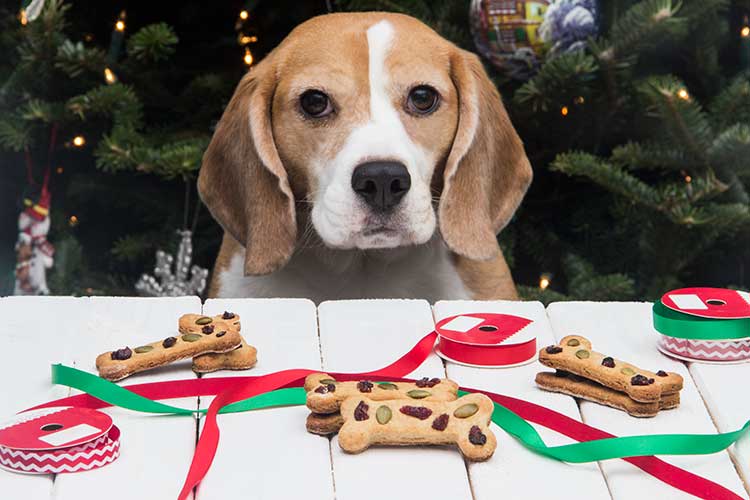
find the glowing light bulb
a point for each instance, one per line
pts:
(120, 25)
(79, 141)
(59, 170)
(109, 76)
(245, 39)
(683, 94)
(745, 31)
(579, 100)
(564, 111)
(544, 281)
(688, 179)
(248, 57)
(244, 14)
(73, 221)
(22, 17)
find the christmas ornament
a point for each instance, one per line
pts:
(34, 254)
(30, 9)
(568, 24)
(174, 284)
(506, 32)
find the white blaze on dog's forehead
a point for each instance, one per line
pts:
(379, 39)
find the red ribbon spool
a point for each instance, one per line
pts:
(486, 340)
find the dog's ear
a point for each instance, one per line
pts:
(242, 180)
(486, 173)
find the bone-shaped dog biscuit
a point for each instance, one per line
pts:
(222, 337)
(324, 424)
(324, 394)
(463, 422)
(198, 323)
(591, 391)
(573, 354)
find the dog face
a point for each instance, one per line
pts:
(376, 126)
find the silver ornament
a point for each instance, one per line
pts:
(184, 280)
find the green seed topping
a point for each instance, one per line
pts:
(327, 381)
(387, 386)
(203, 320)
(191, 337)
(627, 371)
(383, 415)
(143, 348)
(582, 354)
(574, 342)
(418, 394)
(466, 410)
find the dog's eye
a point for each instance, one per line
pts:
(315, 103)
(422, 100)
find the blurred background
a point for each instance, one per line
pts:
(635, 116)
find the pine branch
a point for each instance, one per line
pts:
(152, 43)
(732, 148)
(75, 59)
(732, 104)
(651, 156)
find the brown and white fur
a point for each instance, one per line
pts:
(280, 182)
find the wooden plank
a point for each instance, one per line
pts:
(728, 405)
(514, 470)
(625, 331)
(155, 450)
(358, 336)
(36, 332)
(268, 454)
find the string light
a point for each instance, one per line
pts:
(79, 141)
(22, 17)
(109, 76)
(120, 25)
(243, 39)
(579, 100)
(544, 280)
(248, 57)
(564, 111)
(688, 179)
(59, 170)
(683, 94)
(73, 221)
(745, 31)
(244, 15)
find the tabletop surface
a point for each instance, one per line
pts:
(267, 454)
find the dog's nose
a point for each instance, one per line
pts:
(381, 184)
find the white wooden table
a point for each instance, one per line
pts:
(267, 454)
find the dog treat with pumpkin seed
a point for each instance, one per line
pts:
(573, 385)
(116, 365)
(197, 323)
(242, 358)
(464, 422)
(324, 424)
(574, 355)
(324, 394)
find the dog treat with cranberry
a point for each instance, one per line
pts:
(573, 385)
(121, 363)
(324, 394)
(242, 358)
(324, 424)
(574, 355)
(198, 323)
(464, 422)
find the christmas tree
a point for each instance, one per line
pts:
(638, 131)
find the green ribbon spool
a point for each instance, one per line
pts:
(684, 326)
(520, 429)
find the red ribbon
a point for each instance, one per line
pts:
(483, 355)
(232, 389)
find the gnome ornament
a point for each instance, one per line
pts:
(34, 254)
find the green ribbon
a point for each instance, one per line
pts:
(510, 422)
(685, 326)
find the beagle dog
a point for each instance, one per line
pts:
(364, 157)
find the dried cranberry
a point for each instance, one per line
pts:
(364, 386)
(169, 342)
(476, 436)
(427, 382)
(208, 329)
(227, 315)
(440, 423)
(641, 380)
(122, 354)
(553, 349)
(608, 362)
(360, 412)
(662, 373)
(221, 333)
(323, 389)
(419, 412)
